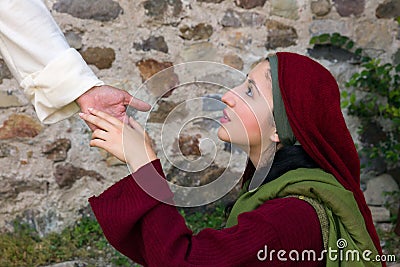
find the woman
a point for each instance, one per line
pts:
(305, 210)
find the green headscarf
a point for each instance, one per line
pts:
(283, 128)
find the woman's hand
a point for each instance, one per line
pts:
(128, 142)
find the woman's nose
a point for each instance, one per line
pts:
(229, 98)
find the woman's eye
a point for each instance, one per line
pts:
(249, 91)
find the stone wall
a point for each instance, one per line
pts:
(47, 172)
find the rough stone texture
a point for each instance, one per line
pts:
(102, 10)
(150, 67)
(199, 32)
(102, 58)
(7, 150)
(67, 174)
(188, 145)
(20, 125)
(210, 1)
(183, 178)
(201, 51)
(388, 9)
(110, 159)
(380, 214)
(11, 188)
(396, 57)
(4, 71)
(234, 61)
(164, 108)
(378, 187)
(321, 7)
(239, 40)
(57, 150)
(159, 8)
(159, 76)
(74, 39)
(332, 53)
(285, 8)
(231, 19)
(236, 19)
(279, 35)
(153, 42)
(347, 8)
(379, 36)
(248, 4)
(8, 100)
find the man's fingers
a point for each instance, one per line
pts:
(137, 103)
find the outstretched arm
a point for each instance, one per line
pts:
(52, 74)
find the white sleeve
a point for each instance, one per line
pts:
(52, 74)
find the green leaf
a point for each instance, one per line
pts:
(349, 45)
(352, 98)
(323, 38)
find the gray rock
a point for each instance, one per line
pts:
(347, 8)
(74, 39)
(153, 42)
(279, 35)
(199, 32)
(200, 51)
(377, 187)
(7, 150)
(57, 150)
(213, 102)
(159, 8)
(231, 19)
(211, 1)
(4, 71)
(332, 53)
(236, 19)
(321, 7)
(285, 8)
(101, 10)
(248, 4)
(8, 100)
(388, 9)
(380, 214)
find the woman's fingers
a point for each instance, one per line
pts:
(98, 122)
(98, 143)
(99, 134)
(105, 116)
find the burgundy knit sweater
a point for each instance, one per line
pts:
(153, 233)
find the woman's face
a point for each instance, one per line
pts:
(248, 121)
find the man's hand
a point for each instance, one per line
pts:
(110, 100)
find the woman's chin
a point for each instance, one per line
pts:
(223, 135)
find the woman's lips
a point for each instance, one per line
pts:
(225, 118)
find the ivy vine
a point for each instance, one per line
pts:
(375, 97)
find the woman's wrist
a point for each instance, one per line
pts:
(138, 162)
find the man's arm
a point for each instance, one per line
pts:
(52, 74)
